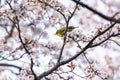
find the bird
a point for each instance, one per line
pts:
(60, 32)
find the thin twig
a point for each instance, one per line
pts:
(115, 42)
(65, 35)
(108, 38)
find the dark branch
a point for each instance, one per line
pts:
(112, 19)
(19, 35)
(10, 65)
(31, 68)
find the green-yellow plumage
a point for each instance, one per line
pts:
(60, 32)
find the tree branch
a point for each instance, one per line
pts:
(67, 23)
(10, 65)
(31, 67)
(114, 42)
(112, 19)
